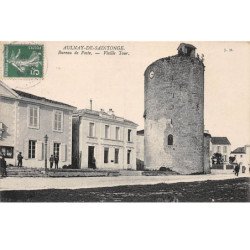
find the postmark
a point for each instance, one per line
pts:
(23, 60)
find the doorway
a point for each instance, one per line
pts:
(91, 151)
(56, 149)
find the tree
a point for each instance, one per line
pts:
(232, 159)
(217, 158)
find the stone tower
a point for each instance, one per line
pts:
(174, 112)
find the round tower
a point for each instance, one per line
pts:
(174, 112)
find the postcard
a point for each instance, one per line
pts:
(124, 121)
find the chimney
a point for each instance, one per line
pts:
(90, 104)
(111, 112)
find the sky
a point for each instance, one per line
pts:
(117, 81)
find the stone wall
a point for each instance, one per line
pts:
(174, 105)
(207, 158)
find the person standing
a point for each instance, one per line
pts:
(94, 163)
(20, 159)
(56, 161)
(51, 160)
(237, 169)
(3, 166)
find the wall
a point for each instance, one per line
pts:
(24, 134)
(99, 142)
(140, 147)
(227, 154)
(207, 159)
(14, 115)
(174, 104)
(8, 118)
(243, 159)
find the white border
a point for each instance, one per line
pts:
(125, 226)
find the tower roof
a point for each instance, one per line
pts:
(186, 45)
(186, 49)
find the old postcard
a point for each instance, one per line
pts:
(124, 121)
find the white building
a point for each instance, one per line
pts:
(25, 119)
(242, 157)
(221, 145)
(110, 139)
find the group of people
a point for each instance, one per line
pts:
(53, 159)
(3, 166)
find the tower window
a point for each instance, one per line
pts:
(170, 139)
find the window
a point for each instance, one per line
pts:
(106, 155)
(218, 149)
(224, 149)
(116, 155)
(128, 156)
(129, 134)
(7, 151)
(117, 133)
(32, 149)
(91, 129)
(33, 116)
(170, 140)
(106, 131)
(58, 121)
(56, 149)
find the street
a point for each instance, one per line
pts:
(27, 183)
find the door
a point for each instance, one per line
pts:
(91, 156)
(56, 149)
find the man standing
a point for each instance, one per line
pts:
(237, 169)
(51, 160)
(94, 163)
(56, 162)
(20, 159)
(3, 166)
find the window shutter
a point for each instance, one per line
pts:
(63, 152)
(39, 150)
(26, 150)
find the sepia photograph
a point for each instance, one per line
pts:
(124, 121)
(124, 125)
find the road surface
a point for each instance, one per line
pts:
(31, 183)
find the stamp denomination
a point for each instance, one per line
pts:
(23, 60)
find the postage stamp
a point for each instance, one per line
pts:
(23, 60)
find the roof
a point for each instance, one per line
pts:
(39, 98)
(186, 45)
(140, 132)
(104, 115)
(239, 150)
(220, 141)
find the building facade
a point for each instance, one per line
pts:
(221, 145)
(207, 150)
(174, 112)
(242, 157)
(103, 138)
(25, 119)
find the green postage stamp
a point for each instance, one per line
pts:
(23, 60)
